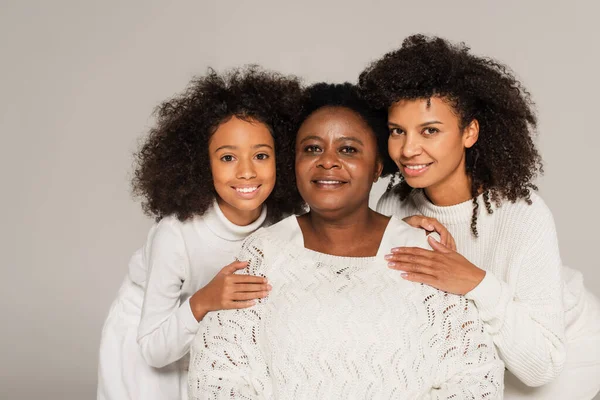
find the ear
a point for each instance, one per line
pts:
(471, 134)
(378, 169)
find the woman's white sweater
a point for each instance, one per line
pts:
(342, 328)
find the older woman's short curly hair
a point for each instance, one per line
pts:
(504, 161)
(173, 175)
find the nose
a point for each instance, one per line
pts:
(246, 169)
(411, 146)
(329, 160)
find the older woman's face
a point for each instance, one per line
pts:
(336, 160)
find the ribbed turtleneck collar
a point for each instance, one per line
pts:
(456, 214)
(225, 229)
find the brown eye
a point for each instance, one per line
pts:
(396, 131)
(430, 131)
(227, 158)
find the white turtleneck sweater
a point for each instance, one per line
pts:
(527, 298)
(342, 328)
(177, 260)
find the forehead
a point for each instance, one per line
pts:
(421, 108)
(239, 132)
(331, 122)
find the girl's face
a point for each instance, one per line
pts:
(427, 144)
(336, 160)
(242, 162)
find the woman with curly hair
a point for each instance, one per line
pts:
(461, 135)
(207, 172)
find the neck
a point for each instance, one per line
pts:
(239, 217)
(332, 229)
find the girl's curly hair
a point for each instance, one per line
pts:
(173, 175)
(504, 161)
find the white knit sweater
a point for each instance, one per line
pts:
(522, 298)
(342, 328)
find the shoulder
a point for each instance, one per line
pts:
(399, 233)
(390, 204)
(527, 219)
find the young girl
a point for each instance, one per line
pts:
(460, 132)
(207, 173)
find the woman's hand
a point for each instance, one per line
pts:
(229, 291)
(442, 268)
(432, 225)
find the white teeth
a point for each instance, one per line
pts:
(329, 182)
(416, 166)
(247, 189)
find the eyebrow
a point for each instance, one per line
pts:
(395, 125)
(340, 139)
(231, 147)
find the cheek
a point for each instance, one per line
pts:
(395, 147)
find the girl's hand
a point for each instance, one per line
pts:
(432, 225)
(442, 268)
(229, 291)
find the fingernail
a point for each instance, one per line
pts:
(396, 250)
(391, 264)
(269, 287)
(404, 274)
(388, 256)
(430, 227)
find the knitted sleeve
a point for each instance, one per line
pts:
(469, 367)
(526, 317)
(226, 361)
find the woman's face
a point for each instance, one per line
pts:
(427, 144)
(336, 160)
(242, 162)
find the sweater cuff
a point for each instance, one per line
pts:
(187, 317)
(487, 295)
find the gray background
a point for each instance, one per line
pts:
(79, 82)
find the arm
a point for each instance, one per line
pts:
(167, 326)
(526, 319)
(469, 367)
(226, 361)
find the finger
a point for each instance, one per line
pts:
(421, 278)
(452, 244)
(414, 268)
(442, 231)
(418, 221)
(236, 279)
(437, 246)
(236, 305)
(234, 266)
(252, 287)
(249, 295)
(429, 260)
(418, 251)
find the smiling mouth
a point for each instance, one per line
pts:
(328, 183)
(414, 170)
(246, 189)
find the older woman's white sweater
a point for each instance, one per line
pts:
(342, 328)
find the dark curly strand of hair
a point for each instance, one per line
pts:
(347, 95)
(504, 161)
(173, 175)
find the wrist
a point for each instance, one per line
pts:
(198, 306)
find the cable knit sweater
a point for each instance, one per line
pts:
(342, 328)
(523, 299)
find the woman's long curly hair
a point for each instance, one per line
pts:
(504, 161)
(173, 174)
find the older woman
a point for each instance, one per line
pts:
(338, 323)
